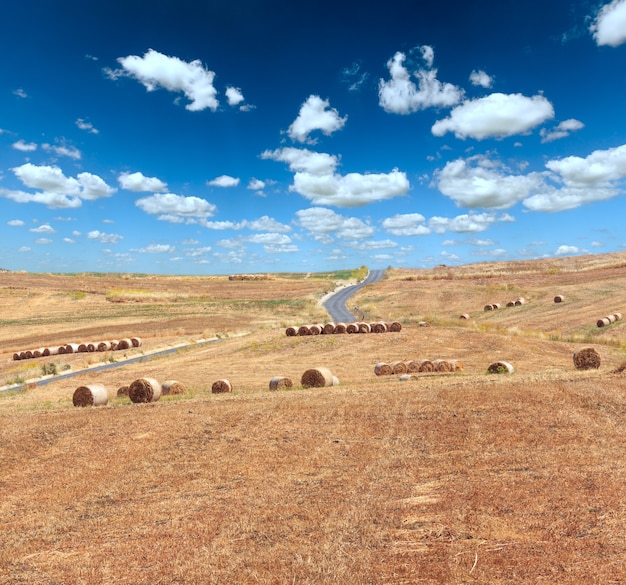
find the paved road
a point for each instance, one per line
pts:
(336, 304)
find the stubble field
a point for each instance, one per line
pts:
(444, 478)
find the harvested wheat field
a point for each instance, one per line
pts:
(446, 478)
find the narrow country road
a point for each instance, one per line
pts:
(336, 304)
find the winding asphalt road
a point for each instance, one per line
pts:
(336, 304)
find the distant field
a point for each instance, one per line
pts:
(445, 478)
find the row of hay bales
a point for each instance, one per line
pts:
(249, 277)
(340, 328)
(516, 303)
(145, 390)
(85, 347)
(609, 319)
(400, 367)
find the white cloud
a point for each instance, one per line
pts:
(49, 199)
(373, 245)
(480, 78)
(176, 205)
(465, 224)
(265, 223)
(562, 130)
(137, 182)
(301, 159)
(315, 115)
(324, 223)
(354, 77)
(20, 93)
(69, 241)
(24, 146)
(24, 249)
(87, 126)
(566, 250)
(156, 70)
(269, 238)
(104, 238)
(351, 190)
(15, 222)
(256, 184)
(224, 181)
(195, 252)
(400, 95)
(234, 96)
(408, 224)
(43, 241)
(157, 249)
(497, 115)
(93, 187)
(43, 229)
(480, 182)
(63, 150)
(609, 27)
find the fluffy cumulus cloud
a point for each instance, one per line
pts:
(24, 146)
(55, 189)
(495, 116)
(104, 238)
(256, 184)
(138, 182)
(470, 223)
(574, 181)
(480, 182)
(401, 95)
(324, 223)
(86, 126)
(562, 130)
(63, 150)
(566, 250)
(315, 114)
(351, 190)
(157, 249)
(407, 224)
(609, 26)
(273, 243)
(45, 228)
(224, 181)
(480, 78)
(234, 96)
(155, 70)
(15, 223)
(303, 160)
(169, 205)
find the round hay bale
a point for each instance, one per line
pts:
(603, 322)
(611, 318)
(114, 344)
(91, 346)
(587, 359)
(82, 348)
(122, 391)
(104, 346)
(144, 390)
(510, 304)
(48, 351)
(500, 368)
(426, 366)
(125, 343)
(559, 299)
(340, 328)
(304, 330)
(317, 378)
(520, 301)
(352, 328)
(395, 327)
(92, 395)
(495, 306)
(383, 369)
(316, 329)
(328, 329)
(26, 354)
(71, 348)
(364, 327)
(37, 353)
(488, 307)
(443, 366)
(61, 350)
(457, 365)
(17, 357)
(398, 367)
(464, 316)
(280, 382)
(618, 316)
(291, 331)
(221, 386)
(136, 341)
(412, 367)
(379, 327)
(173, 387)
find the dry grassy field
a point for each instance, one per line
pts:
(446, 478)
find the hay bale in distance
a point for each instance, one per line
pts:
(304, 330)
(510, 304)
(395, 327)
(92, 395)
(103, 346)
(352, 328)
(280, 382)
(316, 329)
(383, 369)
(457, 365)
(125, 343)
(488, 308)
(559, 299)
(500, 368)
(464, 316)
(328, 329)
(136, 341)
(426, 366)
(340, 328)
(144, 390)
(379, 327)
(173, 387)
(317, 378)
(122, 391)
(412, 367)
(443, 366)
(291, 331)
(520, 301)
(398, 367)
(221, 386)
(603, 322)
(587, 359)
(618, 316)
(364, 327)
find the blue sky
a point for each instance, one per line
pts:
(210, 137)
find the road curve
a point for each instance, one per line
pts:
(336, 303)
